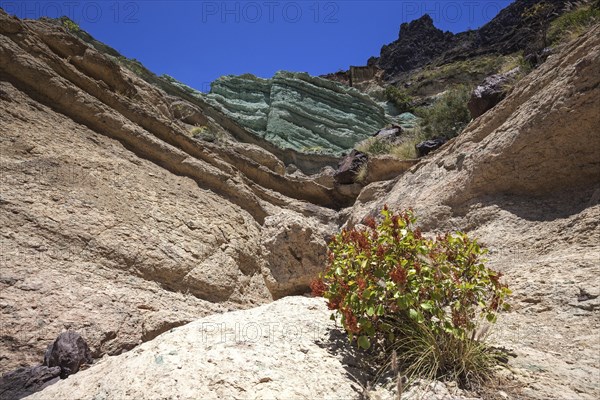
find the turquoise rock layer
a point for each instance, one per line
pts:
(296, 110)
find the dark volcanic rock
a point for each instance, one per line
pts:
(512, 30)
(349, 167)
(428, 146)
(421, 43)
(25, 381)
(69, 352)
(418, 44)
(491, 91)
(64, 357)
(389, 135)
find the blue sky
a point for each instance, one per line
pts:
(198, 41)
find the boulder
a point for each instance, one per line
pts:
(349, 167)
(428, 146)
(491, 92)
(69, 352)
(24, 381)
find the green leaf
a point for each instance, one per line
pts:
(491, 318)
(426, 306)
(413, 314)
(370, 311)
(338, 271)
(364, 342)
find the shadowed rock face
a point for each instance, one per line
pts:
(24, 381)
(419, 42)
(297, 111)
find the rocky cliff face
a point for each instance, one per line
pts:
(420, 43)
(119, 225)
(297, 111)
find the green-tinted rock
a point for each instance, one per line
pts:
(407, 120)
(298, 111)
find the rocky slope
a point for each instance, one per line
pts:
(288, 349)
(297, 111)
(281, 350)
(525, 179)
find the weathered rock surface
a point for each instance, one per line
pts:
(297, 111)
(24, 381)
(490, 92)
(116, 223)
(292, 263)
(288, 349)
(527, 184)
(385, 167)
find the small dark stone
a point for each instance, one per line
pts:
(69, 352)
(22, 382)
(428, 146)
(349, 167)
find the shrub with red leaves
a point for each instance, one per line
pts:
(386, 273)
